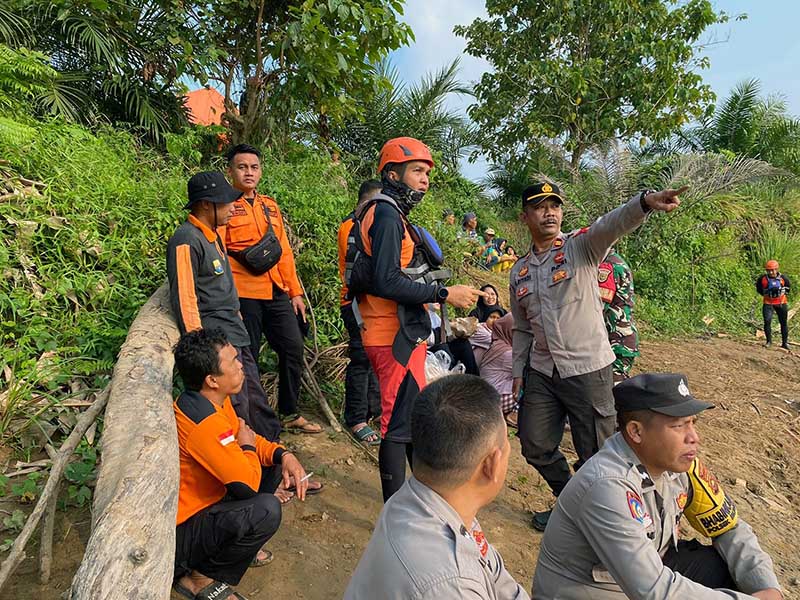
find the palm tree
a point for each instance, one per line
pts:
(115, 64)
(417, 111)
(745, 124)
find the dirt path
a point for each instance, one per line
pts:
(753, 436)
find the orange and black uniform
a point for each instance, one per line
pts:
(226, 506)
(203, 295)
(774, 291)
(265, 298)
(362, 396)
(396, 325)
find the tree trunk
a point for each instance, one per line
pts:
(130, 552)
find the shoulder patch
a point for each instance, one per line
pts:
(195, 406)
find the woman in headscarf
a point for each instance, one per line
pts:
(488, 304)
(497, 367)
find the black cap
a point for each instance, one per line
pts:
(211, 186)
(537, 192)
(665, 393)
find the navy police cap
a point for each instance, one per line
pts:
(665, 393)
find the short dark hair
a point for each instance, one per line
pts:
(197, 356)
(453, 421)
(241, 149)
(625, 417)
(367, 188)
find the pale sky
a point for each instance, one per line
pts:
(765, 46)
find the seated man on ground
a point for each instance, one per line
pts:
(226, 507)
(614, 530)
(428, 543)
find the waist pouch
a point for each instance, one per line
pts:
(264, 254)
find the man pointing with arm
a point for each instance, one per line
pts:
(559, 333)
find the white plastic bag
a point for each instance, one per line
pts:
(440, 364)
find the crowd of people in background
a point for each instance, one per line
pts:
(560, 355)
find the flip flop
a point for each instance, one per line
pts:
(309, 491)
(362, 434)
(214, 590)
(307, 428)
(260, 562)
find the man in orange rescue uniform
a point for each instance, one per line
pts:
(774, 286)
(202, 292)
(226, 507)
(396, 323)
(272, 302)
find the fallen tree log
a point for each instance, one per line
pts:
(130, 552)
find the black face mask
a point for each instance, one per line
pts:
(405, 197)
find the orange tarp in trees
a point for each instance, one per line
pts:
(206, 106)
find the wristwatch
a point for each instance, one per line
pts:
(645, 207)
(441, 294)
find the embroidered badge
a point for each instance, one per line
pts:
(226, 437)
(682, 389)
(602, 275)
(559, 275)
(521, 292)
(558, 243)
(681, 500)
(547, 188)
(522, 272)
(217, 267)
(239, 210)
(637, 509)
(559, 258)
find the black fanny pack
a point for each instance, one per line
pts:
(264, 254)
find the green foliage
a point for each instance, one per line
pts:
(584, 72)
(25, 78)
(748, 125)
(78, 260)
(80, 474)
(416, 111)
(292, 58)
(115, 60)
(28, 489)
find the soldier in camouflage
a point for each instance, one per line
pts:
(616, 290)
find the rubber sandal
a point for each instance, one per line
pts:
(309, 491)
(307, 428)
(362, 434)
(216, 590)
(260, 562)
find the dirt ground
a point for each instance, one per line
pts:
(751, 441)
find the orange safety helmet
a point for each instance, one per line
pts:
(772, 264)
(404, 149)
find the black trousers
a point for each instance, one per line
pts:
(587, 400)
(782, 311)
(392, 457)
(276, 320)
(221, 540)
(701, 564)
(251, 402)
(362, 395)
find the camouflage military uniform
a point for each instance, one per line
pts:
(616, 290)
